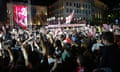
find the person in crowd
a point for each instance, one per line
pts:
(110, 58)
(56, 50)
(97, 45)
(80, 64)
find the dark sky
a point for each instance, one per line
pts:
(110, 3)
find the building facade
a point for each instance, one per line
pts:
(99, 9)
(83, 9)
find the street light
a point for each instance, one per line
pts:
(11, 14)
(29, 10)
(81, 8)
(109, 15)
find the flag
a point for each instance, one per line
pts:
(20, 15)
(69, 18)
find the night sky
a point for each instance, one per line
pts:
(110, 3)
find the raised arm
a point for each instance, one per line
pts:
(36, 45)
(10, 54)
(23, 49)
(42, 42)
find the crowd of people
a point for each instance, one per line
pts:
(59, 50)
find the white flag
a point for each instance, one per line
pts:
(69, 18)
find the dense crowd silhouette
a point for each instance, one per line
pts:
(59, 50)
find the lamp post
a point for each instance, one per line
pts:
(11, 14)
(29, 14)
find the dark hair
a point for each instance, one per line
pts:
(109, 36)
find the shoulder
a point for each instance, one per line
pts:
(113, 49)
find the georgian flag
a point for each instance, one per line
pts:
(69, 18)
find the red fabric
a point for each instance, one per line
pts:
(80, 69)
(68, 40)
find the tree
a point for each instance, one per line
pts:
(95, 21)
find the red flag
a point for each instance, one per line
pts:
(20, 15)
(69, 18)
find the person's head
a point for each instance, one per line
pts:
(108, 37)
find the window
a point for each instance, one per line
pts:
(77, 11)
(66, 3)
(74, 5)
(86, 12)
(83, 11)
(79, 5)
(83, 6)
(89, 12)
(67, 10)
(70, 10)
(86, 5)
(89, 6)
(70, 4)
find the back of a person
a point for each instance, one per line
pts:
(114, 58)
(110, 53)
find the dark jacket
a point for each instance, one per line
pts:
(111, 57)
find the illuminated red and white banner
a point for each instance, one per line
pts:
(64, 25)
(20, 15)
